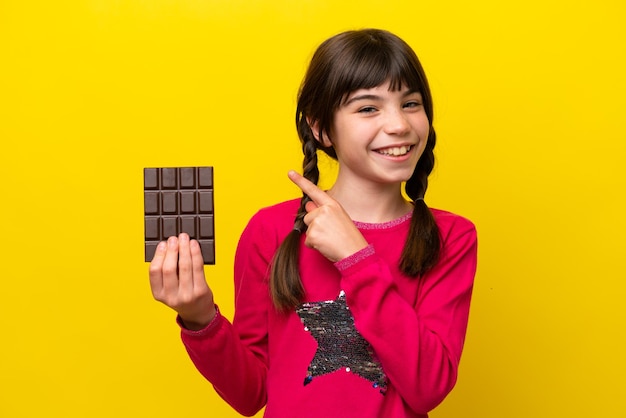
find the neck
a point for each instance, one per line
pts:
(371, 203)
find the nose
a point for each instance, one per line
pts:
(396, 123)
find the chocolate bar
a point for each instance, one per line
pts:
(179, 199)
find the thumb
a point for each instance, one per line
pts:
(310, 206)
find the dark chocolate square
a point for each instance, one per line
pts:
(179, 199)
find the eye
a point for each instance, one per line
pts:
(367, 109)
(413, 104)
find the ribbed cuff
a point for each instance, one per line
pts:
(355, 258)
(206, 330)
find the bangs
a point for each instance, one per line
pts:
(376, 63)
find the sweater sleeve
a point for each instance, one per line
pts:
(233, 357)
(419, 346)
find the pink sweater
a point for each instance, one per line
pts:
(393, 351)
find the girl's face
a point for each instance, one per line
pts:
(379, 135)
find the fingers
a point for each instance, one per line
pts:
(177, 267)
(156, 269)
(197, 264)
(310, 189)
(170, 267)
(310, 206)
(185, 276)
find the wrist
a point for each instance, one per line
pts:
(198, 322)
(357, 247)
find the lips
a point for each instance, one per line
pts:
(395, 151)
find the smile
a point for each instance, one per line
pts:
(395, 151)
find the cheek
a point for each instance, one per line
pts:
(423, 127)
(422, 133)
(420, 149)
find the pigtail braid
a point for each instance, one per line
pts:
(422, 247)
(285, 283)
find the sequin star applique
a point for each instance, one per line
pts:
(339, 344)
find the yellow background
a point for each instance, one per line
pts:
(529, 104)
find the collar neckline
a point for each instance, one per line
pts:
(384, 225)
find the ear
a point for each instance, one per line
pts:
(315, 128)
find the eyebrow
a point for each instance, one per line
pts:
(368, 96)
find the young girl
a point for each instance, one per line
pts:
(359, 308)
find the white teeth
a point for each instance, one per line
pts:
(395, 151)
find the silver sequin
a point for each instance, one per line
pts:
(340, 346)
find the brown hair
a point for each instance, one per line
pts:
(347, 62)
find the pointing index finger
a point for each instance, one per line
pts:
(309, 188)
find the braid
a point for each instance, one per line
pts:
(285, 282)
(421, 250)
(310, 169)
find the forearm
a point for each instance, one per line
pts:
(237, 374)
(414, 360)
(417, 332)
